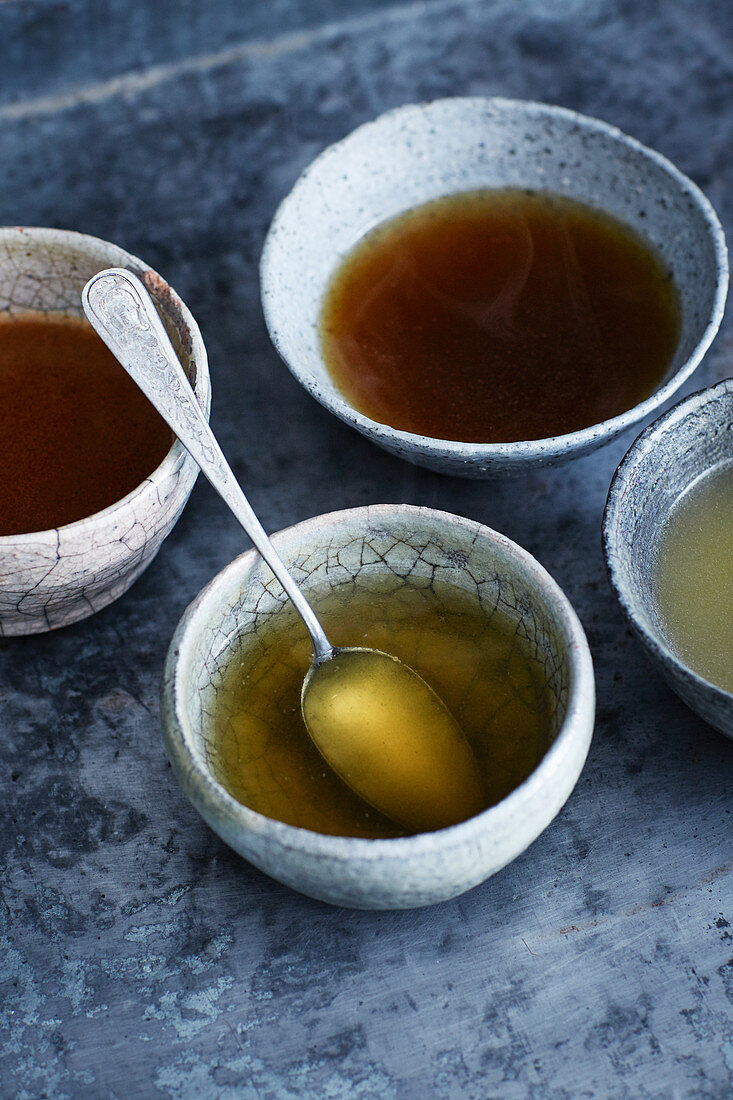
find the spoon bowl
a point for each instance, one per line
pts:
(391, 738)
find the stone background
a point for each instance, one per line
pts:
(139, 956)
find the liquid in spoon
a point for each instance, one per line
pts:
(388, 735)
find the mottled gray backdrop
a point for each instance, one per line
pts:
(139, 956)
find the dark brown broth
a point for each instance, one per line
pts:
(76, 433)
(495, 316)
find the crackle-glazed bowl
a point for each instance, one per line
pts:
(52, 578)
(673, 452)
(421, 152)
(400, 542)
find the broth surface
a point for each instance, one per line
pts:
(76, 433)
(496, 316)
(694, 578)
(261, 751)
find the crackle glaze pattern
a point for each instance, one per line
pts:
(420, 152)
(52, 578)
(694, 436)
(414, 546)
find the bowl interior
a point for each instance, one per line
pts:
(418, 153)
(407, 546)
(46, 270)
(667, 458)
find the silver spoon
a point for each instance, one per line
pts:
(377, 723)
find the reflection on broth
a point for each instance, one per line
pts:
(481, 668)
(392, 740)
(497, 316)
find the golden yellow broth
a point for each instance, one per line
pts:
(261, 751)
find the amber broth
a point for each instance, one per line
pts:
(482, 669)
(76, 433)
(496, 316)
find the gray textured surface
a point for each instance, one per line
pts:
(139, 955)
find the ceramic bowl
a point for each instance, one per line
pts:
(421, 152)
(396, 541)
(52, 578)
(665, 460)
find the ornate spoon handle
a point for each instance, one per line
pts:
(122, 312)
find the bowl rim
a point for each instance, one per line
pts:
(205, 791)
(80, 528)
(523, 450)
(613, 555)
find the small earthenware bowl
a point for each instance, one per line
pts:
(420, 152)
(53, 578)
(396, 541)
(666, 459)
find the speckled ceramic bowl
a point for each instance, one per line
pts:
(421, 152)
(430, 548)
(668, 456)
(52, 578)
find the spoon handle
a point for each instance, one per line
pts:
(120, 309)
